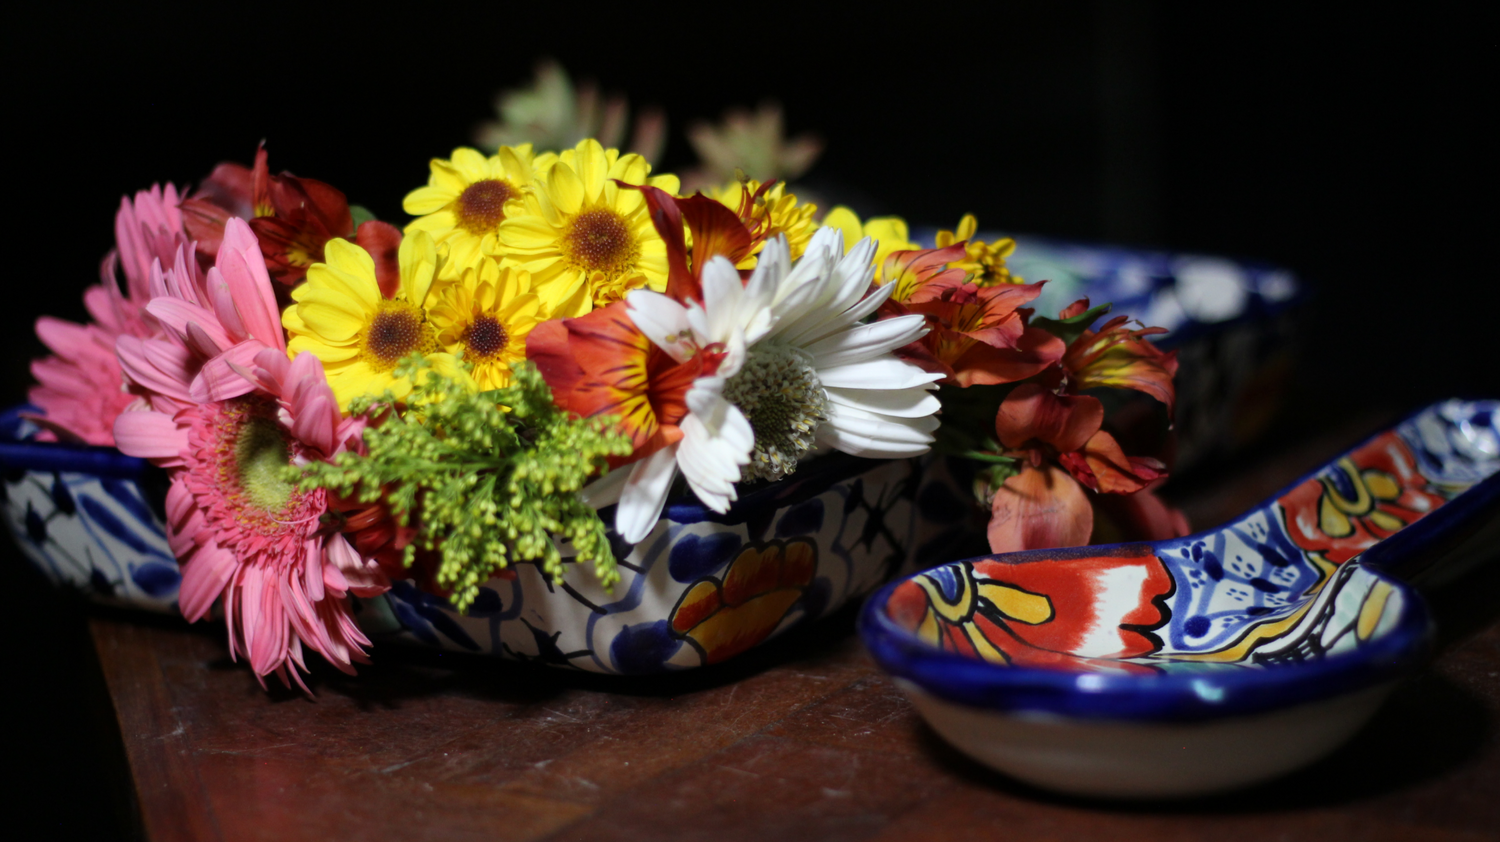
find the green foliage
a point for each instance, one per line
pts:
(968, 431)
(1070, 329)
(360, 214)
(486, 478)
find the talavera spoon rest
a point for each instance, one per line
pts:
(1206, 662)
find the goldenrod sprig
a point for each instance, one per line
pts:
(487, 478)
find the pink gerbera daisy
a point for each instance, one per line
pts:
(242, 531)
(79, 388)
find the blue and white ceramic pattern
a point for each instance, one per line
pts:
(1262, 644)
(703, 587)
(84, 518)
(700, 588)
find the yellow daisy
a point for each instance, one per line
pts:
(774, 211)
(985, 262)
(889, 232)
(340, 316)
(467, 197)
(485, 316)
(580, 229)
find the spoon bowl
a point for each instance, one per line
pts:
(1207, 662)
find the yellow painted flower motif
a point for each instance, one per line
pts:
(467, 197)
(985, 262)
(340, 316)
(775, 212)
(485, 315)
(580, 229)
(890, 232)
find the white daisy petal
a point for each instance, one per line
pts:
(870, 303)
(860, 445)
(664, 321)
(882, 427)
(722, 292)
(863, 342)
(900, 403)
(711, 463)
(883, 373)
(645, 494)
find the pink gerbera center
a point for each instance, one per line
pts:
(238, 456)
(481, 207)
(599, 240)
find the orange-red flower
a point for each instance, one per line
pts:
(715, 230)
(1116, 356)
(1059, 440)
(977, 335)
(602, 364)
(293, 219)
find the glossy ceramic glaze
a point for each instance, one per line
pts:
(1205, 662)
(702, 587)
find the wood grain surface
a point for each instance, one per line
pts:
(800, 739)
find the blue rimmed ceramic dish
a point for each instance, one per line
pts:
(1206, 662)
(700, 588)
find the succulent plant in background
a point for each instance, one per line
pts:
(754, 144)
(555, 114)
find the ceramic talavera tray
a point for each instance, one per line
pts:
(1199, 663)
(700, 588)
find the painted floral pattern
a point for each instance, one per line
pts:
(1363, 498)
(724, 617)
(1069, 609)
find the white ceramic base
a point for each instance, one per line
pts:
(1147, 760)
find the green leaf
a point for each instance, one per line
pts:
(1070, 329)
(361, 215)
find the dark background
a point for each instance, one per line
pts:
(1346, 144)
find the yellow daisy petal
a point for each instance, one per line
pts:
(425, 200)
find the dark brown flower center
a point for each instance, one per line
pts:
(396, 331)
(484, 339)
(600, 241)
(481, 206)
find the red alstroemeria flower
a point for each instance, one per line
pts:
(922, 274)
(1119, 357)
(293, 219)
(977, 335)
(602, 364)
(1043, 506)
(715, 230)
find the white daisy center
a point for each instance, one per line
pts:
(779, 392)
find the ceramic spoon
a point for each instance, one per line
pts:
(1207, 662)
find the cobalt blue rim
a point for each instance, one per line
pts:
(25, 455)
(1165, 697)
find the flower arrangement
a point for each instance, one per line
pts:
(341, 404)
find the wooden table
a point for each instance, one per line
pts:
(801, 739)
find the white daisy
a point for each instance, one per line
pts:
(716, 437)
(819, 375)
(799, 370)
